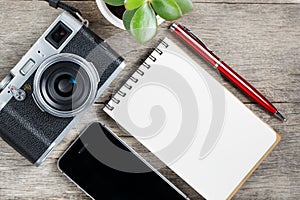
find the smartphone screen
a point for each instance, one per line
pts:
(106, 168)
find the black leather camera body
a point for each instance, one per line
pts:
(46, 93)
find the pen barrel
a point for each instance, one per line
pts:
(196, 44)
(246, 87)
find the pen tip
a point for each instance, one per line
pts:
(280, 116)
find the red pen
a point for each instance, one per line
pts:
(195, 43)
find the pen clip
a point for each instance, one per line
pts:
(196, 38)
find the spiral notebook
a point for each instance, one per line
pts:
(192, 123)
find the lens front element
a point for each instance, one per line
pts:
(65, 84)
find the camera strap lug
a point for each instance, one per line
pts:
(74, 11)
(85, 22)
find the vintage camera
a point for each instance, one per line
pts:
(46, 93)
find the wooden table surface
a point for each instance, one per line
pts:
(261, 39)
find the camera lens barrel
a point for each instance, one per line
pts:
(65, 84)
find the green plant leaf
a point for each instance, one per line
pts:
(185, 5)
(167, 9)
(115, 2)
(133, 4)
(127, 17)
(143, 24)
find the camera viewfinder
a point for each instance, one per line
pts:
(58, 35)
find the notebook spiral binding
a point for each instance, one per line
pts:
(134, 79)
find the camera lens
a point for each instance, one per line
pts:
(65, 84)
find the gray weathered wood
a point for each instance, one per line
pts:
(259, 38)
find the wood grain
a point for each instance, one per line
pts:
(260, 39)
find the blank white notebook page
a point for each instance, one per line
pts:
(191, 122)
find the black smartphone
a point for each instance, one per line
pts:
(105, 167)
